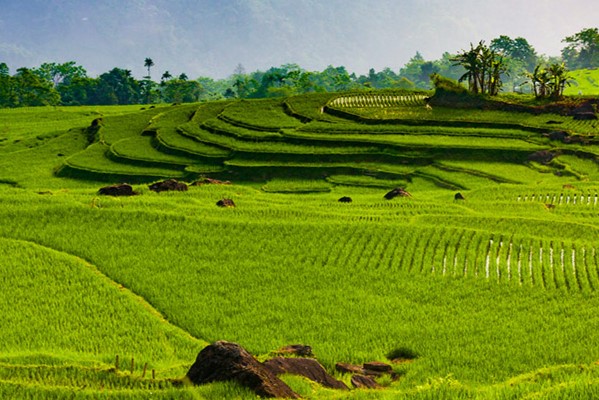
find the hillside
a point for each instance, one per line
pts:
(492, 294)
(583, 81)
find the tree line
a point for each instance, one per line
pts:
(504, 64)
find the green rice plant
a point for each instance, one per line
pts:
(369, 243)
(378, 100)
(142, 148)
(420, 128)
(172, 138)
(259, 115)
(94, 160)
(496, 293)
(426, 141)
(209, 110)
(366, 181)
(583, 81)
(27, 122)
(308, 107)
(115, 128)
(473, 117)
(222, 127)
(44, 286)
(508, 172)
(295, 186)
(230, 143)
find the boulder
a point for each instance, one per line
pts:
(345, 199)
(378, 366)
(225, 203)
(557, 135)
(585, 116)
(117, 190)
(349, 368)
(364, 382)
(301, 350)
(397, 192)
(210, 181)
(459, 196)
(542, 156)
(226, 361)
(96, 122)
(307, 367)
(168, 185)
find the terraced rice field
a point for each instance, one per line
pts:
(495, 291)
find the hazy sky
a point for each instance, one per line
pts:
(211, 37)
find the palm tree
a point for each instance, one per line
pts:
(165, 77)
(558, 78)
(549, 82)
(148, 63)
(534, 79)
(469, 60)
(484, 67)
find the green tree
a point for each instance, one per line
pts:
(117, 87)
(31, 90)
(471, 63)
(332, 79)
(549, 82)
(517, 49)
(148, 91)
(484, 67)
(79, 91)
(446, 67)
(279, 81)
(60, 74)
(148, 63)
(582, 50)
(418, 71)
(6, 87)
(245, 86)
(165, 77)
(181, 91)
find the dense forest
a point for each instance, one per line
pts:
(517, 66)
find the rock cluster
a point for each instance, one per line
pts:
(168, 185)
(226, 361)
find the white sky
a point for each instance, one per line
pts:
(210, 37)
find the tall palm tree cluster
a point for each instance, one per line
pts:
(549, 82)
(484, 67)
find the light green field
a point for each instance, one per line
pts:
(585, 82)
(496, 294)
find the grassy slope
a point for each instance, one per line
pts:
(585, 81)
(357, 279)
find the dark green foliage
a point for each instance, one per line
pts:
(484, 67)
(582, 50)
(25, 89)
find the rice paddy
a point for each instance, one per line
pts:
(494, 290)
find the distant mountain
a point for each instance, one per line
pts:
(211, 37)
